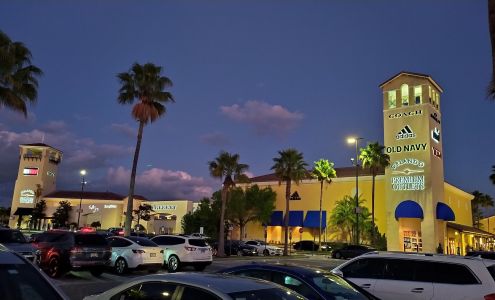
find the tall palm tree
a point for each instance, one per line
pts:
(374, 158)
(323, 171)
(226, 166)
(18, 77)
(289, 166)
(145, 85)
(492, 177)
(479, 202)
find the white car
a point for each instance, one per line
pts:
(182, 251)
(265, 249)
(134, 252)
(391, 276)
(197, 286)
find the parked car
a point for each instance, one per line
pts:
(265, 249)
(236, 247)
(21, 280)
(309, 282)
(14, 240)
(482, 254)
(182, 251)
(306, 245)
(325, 246)
(60, 251)
(129, 253)
(389, 275)
(116, 230)
(351, 251)
(189, 286)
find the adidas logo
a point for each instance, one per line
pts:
(405, 133)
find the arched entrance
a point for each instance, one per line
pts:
(409, 215)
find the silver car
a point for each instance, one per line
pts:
(187, 286)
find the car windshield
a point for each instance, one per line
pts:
(265, 294)
(22, 281)
(337, 287)
(142, 241)
(11, 236)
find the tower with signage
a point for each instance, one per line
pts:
(38, 166)
(414, 182)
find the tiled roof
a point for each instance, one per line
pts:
(85, 195)
(341, 173)
(413, 74)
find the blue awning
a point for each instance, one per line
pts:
(444, 212)
(296, 218)
(277, 218)
(312, 218)
(409, 209)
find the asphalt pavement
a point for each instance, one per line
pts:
(77, 285)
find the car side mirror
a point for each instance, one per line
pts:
(338, 273)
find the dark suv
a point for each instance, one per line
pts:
(61, 251)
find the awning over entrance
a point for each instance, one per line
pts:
(23, 211)
(312, 218)
(469, 229)
(444, 212)
(409, 209)
(277, 218)
(296, 218)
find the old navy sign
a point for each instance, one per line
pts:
(406, 148)
(164, 207)
(405, 114)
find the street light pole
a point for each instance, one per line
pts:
(355, 140)
(83, 173)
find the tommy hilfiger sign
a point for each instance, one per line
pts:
(405, 133)
(406, 148)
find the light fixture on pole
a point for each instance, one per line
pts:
(355, 141)
(83, 173)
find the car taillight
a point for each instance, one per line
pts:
(190, 248)
(490, 297)
(138, 251)
(121, 232)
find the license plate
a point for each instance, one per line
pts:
(93, 255)
(152, 254)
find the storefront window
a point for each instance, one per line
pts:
(392, 99)
(404, 91)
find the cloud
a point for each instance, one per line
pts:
(215, 139)
(266, 119)
(160, 184)
(124, 129)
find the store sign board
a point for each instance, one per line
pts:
(406, 114)
(435, 117)
(50, 173)
(164, 207)
(27, 196)
(30, 171)
(93, 208)
(435, 135)
(436, 152)
(406, 148)
(109, 206)
(408, 183)
(405, 133)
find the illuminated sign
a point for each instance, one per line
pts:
(50, 173)
(405, 133)
(410, 164)
(406, 148)
(408, 183)
(93, 208)
(27, 196)
(435, 117)
(109, 206)
(405, 114)
(436, 152)
(30, 171)
(164, 207)
(435, 135)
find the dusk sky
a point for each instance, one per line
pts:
(250, 77)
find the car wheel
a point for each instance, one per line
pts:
(120, 266)
(96, 272)
(54, 269)
(338, 255)
(199, 267)
(239, 253)
(266, 252)
(173, 264)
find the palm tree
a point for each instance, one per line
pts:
(479, 201)
(374, 158)
(343, 217)
(18, 77)
(146, 85)
(492, 177)
(289, 166)
(226, 166)
(323, 171)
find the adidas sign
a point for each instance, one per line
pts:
(405, 133)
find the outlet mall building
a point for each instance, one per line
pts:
(414, 206)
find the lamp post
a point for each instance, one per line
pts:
(83, 173)
(355, 140)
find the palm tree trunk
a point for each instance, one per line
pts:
(221, 231)
(373, 208)
(286, 218)
(321, 200)
(128, 213)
